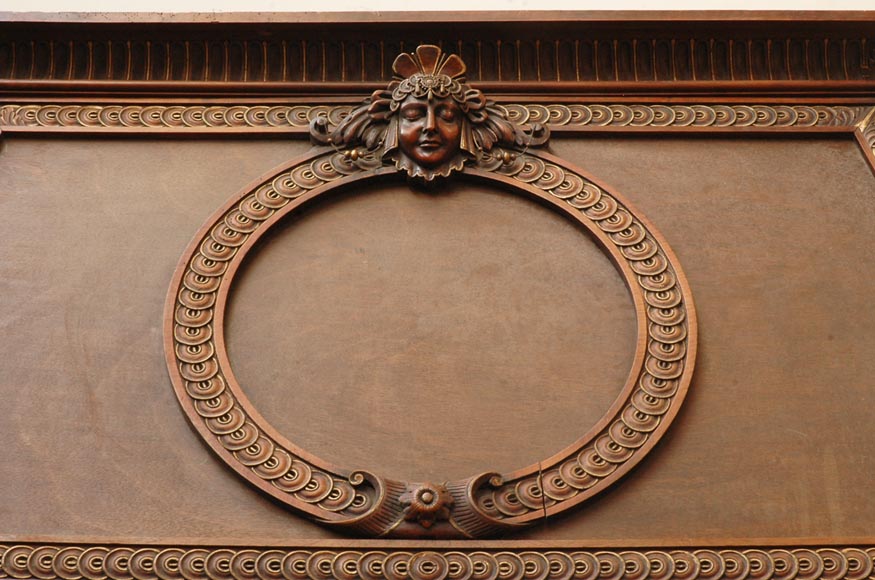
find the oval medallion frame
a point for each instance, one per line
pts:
(484, 504)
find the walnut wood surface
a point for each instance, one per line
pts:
(432, 315)
(772, 451)
(762, 410)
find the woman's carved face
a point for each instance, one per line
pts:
(429, 130)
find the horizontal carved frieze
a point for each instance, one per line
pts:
(296, 118)
(51, 561)
(573, 54)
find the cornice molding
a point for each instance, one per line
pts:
(539, 48)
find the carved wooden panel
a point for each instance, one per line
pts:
(430, 125)
(748, 143)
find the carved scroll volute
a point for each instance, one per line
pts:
(429, 125)
(429, 122)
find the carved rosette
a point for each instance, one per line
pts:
(426, 503)
(481, 505)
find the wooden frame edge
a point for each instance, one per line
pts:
(864, 133)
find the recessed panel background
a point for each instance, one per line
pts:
(773, 441)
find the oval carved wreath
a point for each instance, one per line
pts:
(430, 124)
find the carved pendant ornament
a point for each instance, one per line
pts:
(429, 125)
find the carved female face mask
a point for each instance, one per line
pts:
(428, 120)
(429, 131)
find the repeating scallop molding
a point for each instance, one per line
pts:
(563, 56)
(558, 117)
(126, 562)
